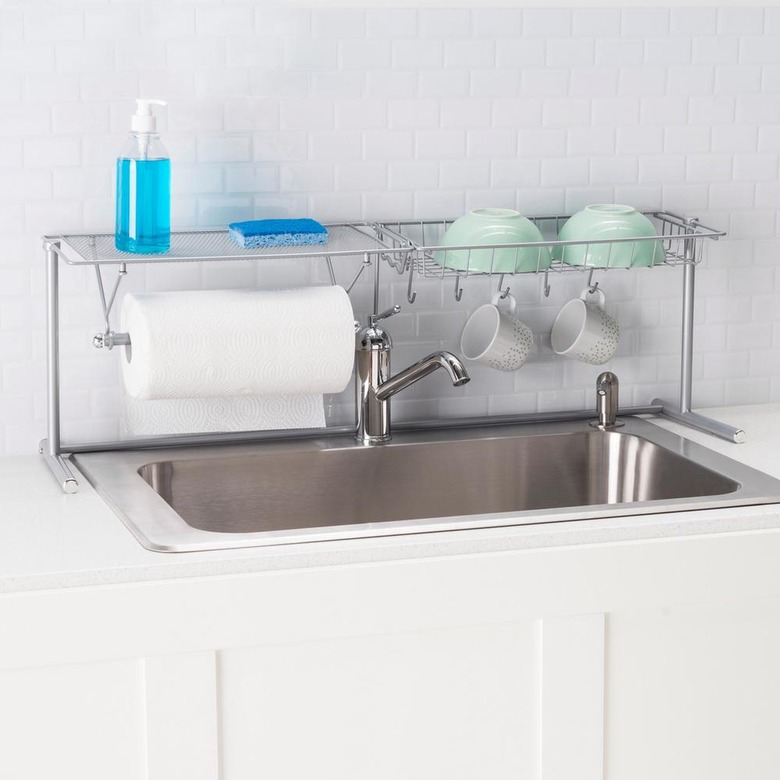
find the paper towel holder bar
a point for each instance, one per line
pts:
(108, 339)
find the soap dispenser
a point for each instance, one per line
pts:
(143, 187)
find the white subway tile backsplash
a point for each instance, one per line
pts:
(469, 53)
(391, 22)
(393, 84)
(576, 52)
(563, 112)
(645, 21)
(755, 167)
(440, 144)
(101, 23)
(363, 114)
(521, 53)
(451, 22)
(547, 22)
(357, 176)
(216, 149)
(139, 54)
(339, 24)
(468, 174)
(223, 19)
(590, 141)
(413, 175)
(613, 170)
(364, 55)
(417, 55)
(166, 21)
(401, 112)
(716, 50)
(760, 49)
(494, 83)
(619, 52)
(756, 110)
(412, 114)
(545, 82)
(569, 172)
(598, 22)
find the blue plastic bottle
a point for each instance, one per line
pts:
(143, 187)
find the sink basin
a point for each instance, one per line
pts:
(313, 489)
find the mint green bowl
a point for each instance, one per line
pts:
(486, 228)
(609, 221)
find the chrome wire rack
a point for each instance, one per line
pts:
(678, 241)
(413, 248)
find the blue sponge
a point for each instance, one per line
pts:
(277, 232)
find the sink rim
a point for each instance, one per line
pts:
(157, 526)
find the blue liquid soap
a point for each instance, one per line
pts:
(143, 205)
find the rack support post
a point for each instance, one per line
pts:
(50, 447)
(683, 414)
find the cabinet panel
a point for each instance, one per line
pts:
(181, 717)
(82, 721)
(694, 692)
(454, 703)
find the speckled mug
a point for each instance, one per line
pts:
(497, 338)
(584, 330)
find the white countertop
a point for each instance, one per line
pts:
(52, 540)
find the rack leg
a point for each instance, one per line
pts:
(700, 422)
(59, 468)
(51, 446)
(686, 359)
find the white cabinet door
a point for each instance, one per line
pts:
(75, 722)
(453, 703)
(694, 692)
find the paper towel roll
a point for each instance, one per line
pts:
(222, 343)
(221, 415)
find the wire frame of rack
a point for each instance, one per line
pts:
(677, 241)
(409, 247)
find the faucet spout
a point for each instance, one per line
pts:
(375, 386)
(446, 360)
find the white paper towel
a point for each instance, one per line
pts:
(232, 343)
(221, 415)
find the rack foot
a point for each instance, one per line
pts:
(59, 468)
(701, 423)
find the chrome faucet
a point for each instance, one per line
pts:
(374, 384)
(607, 390)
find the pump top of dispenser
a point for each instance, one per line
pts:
(143, 120)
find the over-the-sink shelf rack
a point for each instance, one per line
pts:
(411, 248)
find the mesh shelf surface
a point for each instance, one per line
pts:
(199, 245)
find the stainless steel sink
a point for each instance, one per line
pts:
(321, 488)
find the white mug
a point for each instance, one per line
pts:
(584, 330)
(497, 338)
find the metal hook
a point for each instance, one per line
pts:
(592, 286)
(458, 288)
(503, 293)
(411, 295)
(546, 284)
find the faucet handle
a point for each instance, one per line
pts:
(383, 315)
